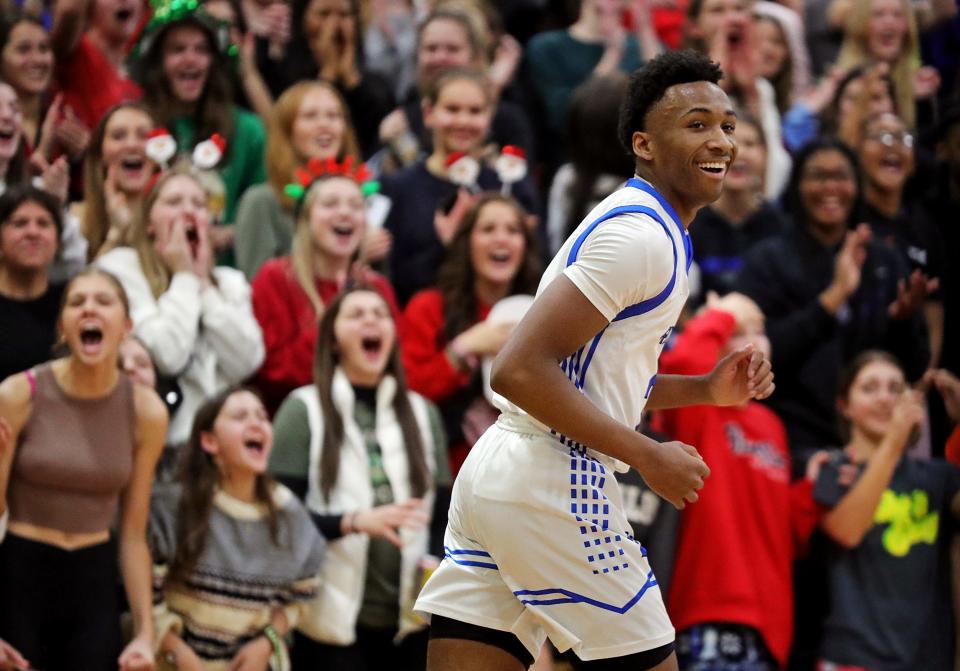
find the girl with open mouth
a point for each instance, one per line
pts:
(290, 294)
(367, 456)
(195, 319)
(185, 74)
(233, 551)
(78, 445)
(429, 194)
(446, 334)
(309, 121)
(116, 171)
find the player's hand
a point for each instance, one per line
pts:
(675, 471)
(740, 376)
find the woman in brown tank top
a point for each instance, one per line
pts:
(78, 446)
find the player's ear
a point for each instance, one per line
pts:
(643, 145)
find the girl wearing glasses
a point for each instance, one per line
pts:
(887, 156)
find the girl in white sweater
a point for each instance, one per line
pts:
(196, 320)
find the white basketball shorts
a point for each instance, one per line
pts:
(537, 544)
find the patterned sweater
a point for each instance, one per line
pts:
(241, 576)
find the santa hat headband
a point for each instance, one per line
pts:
(162, 148)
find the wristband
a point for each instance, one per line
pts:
(276, 659)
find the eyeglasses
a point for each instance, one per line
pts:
(888, 139)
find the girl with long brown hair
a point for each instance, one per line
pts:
(78, 445)
(184, 73)
(116, 171)
(233, 551)
(492, 256)
(367, 456)
(309, 121)
(890, 531)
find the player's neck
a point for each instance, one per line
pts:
(684, 211)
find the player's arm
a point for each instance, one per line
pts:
(527, 373)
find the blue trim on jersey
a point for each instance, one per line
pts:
(646, 187)
(574, 371)
(452, 554)
(566, 596)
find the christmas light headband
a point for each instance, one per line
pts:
(316, 169)
(165, 12)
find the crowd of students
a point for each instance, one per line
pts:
(248, 250)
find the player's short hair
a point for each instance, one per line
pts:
(649, 83)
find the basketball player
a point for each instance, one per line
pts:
(537, 544)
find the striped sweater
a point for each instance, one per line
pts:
(241, 576)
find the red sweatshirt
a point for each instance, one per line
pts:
(736, 545)
(429, 371)
(289, 325)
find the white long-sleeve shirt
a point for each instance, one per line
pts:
(207, 337)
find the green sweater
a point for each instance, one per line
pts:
(245, 164)
(559, 63)
(264, 230)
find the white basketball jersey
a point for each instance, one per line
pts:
(630, 258)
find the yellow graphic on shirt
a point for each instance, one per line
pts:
(911, 521)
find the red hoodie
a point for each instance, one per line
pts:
(736, 545)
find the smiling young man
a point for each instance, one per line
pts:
(537, 543)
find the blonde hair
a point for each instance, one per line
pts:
(855, 52)
(154, 269)
(303, 251)
(281, 155)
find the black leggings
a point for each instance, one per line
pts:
(59, 607)
(444, 627)
(373, 650)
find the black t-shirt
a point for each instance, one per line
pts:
(911, 234)
(29, 330)
(719, 246)
(890, 596)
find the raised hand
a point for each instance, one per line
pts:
(675, 471)
(908, 413)
(446, 225)
(376, 244)
(10, 659)
(173, 247)
(485, 338)
(948, 386)
(910, 295)
(385, 521)
(71, 134)
(846, 269)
